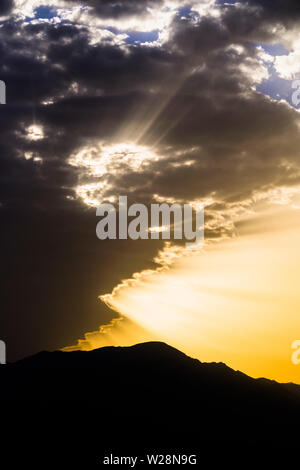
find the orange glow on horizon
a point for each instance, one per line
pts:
(237, 303)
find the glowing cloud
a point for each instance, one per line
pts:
(100, 162)
(101, 159)
(34, 132)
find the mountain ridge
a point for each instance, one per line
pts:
(146, 396)
(161, 347)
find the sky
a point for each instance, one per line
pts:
(162, 101)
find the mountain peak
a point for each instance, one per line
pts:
(145, 390)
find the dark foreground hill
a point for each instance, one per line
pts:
(75, 408)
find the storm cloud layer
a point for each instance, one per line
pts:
(91, 86)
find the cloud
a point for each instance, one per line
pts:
(283, 11)
(5, 7)
(95, 101)
(118, 9)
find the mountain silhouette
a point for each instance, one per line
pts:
(148, 397)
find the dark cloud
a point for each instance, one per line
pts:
(279, 10)
(6, 7)
(118, 9)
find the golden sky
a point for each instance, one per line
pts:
(236, 302)
(165, 101)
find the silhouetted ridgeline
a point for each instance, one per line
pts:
(145, 397)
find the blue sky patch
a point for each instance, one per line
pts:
(45, 12)
(139, 37)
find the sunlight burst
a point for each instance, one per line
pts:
(35, 132)
(100, 159)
